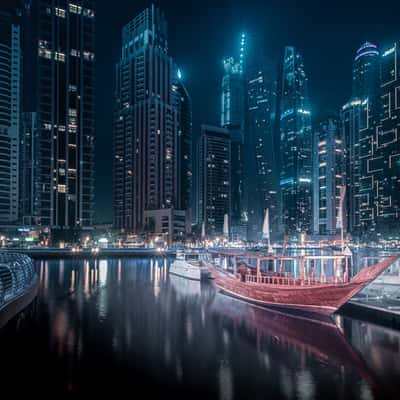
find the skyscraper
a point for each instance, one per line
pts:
(355, 119)
(365, 80)
(214, 178)
(28, 159)
(10, 108)
(260, 160)
(233, 119)
(152, 132)
(380, 156)
(184, 145)
(295, 145)
(328, 175)
(63, 99)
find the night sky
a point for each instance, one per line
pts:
(203, 32)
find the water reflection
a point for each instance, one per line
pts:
(114, 325)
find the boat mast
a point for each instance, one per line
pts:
(266, 231)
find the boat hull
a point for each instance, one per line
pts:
(321, 299)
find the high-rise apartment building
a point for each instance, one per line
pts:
(214, 178)
(328, 176)
(152, 132)
(295, 145)
(380, 156)
(355, 119)
(60, 90)
(261, 178)
(233, 101)
(10, 109)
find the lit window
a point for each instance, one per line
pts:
(73, 8)
(60, 12)
(59, 56)
(61, 189)
(75, 53)
(45, 53)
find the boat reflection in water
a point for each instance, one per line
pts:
(336, 342)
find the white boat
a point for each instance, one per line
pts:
(190, 265)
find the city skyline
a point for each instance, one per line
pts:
(242, 40)
(330, 86)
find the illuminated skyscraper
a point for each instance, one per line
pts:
(152, 133)
(184, 147)
(10, 108)
(214, 178)
(328, 176)
(366, 72)
(355, 120)
(233, 106)
(295, 145)
(261, 176)
(60, 88)
(380, 156)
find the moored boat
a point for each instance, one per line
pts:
(307, 292)
(191, 265)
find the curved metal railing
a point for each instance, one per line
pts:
(16, 275)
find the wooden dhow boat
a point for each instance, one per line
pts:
(274, 287)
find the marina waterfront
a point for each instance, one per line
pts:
(115, 325)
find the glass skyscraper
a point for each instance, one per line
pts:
(10, 108)
(328, 176)
(60, 88)
(261, 176)
(295, 145)
(233, 100)
(380, 156)
(365, 76)
(214, 178)
(152, 133)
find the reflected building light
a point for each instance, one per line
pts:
(225, 381)
(103, 266)
(286, 382)
(72, 285)
(46, 277)
(151, 270)
(305, 385)
(157, 276)
(61, 272)
(189, 329)
(86, 289)
(119, 271)
(165, 270)
(167, 351)
(365, 392)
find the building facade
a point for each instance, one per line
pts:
(365, 74)
(152, 128)
(233, 101)
(184, 147)
(380, 156)
(63, 98)
(10, 109)
(28, 159)
(261, 178)
(328, 176)
(214, 178)
(295, 146)
(354, 118)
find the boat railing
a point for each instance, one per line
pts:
(289, 280)
(16, 275)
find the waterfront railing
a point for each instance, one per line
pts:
(17, 275)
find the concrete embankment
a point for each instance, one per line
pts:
(46, 253)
